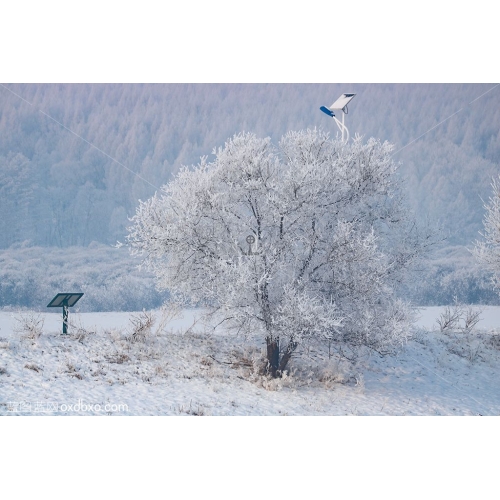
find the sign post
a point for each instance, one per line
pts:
(65, 300)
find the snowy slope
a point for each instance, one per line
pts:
(183, 369)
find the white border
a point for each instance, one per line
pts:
(261, 41)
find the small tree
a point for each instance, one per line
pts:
(488, 252)
(306, 239)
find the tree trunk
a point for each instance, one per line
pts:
(286, 356)
(275, 366)
(273, 357)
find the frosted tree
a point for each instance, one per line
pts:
(488, 251)
(305, 239)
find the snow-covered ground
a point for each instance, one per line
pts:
(183, 369)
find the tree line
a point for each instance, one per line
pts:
(58, 188)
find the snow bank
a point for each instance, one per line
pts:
(186, 369)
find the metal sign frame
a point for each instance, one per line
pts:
(65, 300)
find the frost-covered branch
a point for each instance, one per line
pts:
(488, 251)
(332, 239)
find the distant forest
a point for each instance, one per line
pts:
(76, 158)
(58, 190)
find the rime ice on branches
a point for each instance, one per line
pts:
(330, 240)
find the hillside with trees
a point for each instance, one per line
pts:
(58, 189)
(75, 159)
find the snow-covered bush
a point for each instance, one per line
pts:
(300, 240)
(450, 318)
(488, 251)
(141, 325)
(459, 317)
(77, 329)
(29, 324)
(471, 317)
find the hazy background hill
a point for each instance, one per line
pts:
(56, 190)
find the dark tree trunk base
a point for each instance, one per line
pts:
(273, 357)
(275, 366)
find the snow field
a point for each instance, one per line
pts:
(186, 369)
